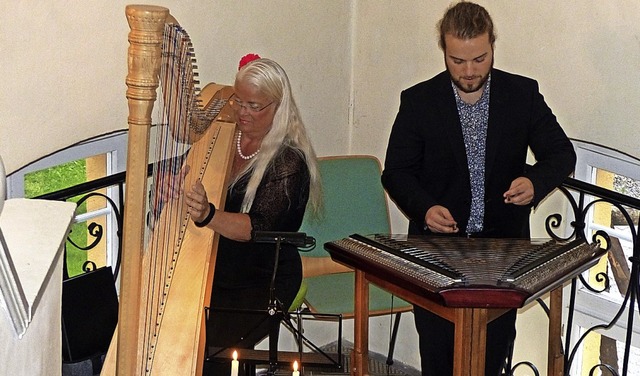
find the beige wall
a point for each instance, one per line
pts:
(64, 63)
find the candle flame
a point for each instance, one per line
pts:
(295, 365)
(235, 355)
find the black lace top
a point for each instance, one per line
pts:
(279, 205)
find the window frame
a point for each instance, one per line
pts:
(597, 308)
(114, 147)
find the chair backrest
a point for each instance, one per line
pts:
(354, 201)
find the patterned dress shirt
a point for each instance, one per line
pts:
(474, 119)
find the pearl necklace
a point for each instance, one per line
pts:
(245, 157)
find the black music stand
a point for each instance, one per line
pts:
(277, 313)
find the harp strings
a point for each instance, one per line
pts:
(182, 120)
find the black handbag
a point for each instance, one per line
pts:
(89, 316)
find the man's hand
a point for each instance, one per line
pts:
(439, 219)
(520, 192)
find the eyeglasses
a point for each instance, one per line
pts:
(236, 105)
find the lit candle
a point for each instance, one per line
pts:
(295, 369)
(234, 364)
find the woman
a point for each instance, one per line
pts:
(274, 177)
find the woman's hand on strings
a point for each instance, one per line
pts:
(171, 185)
(197, 202)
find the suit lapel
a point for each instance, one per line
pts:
(498, 108)
(451, 126)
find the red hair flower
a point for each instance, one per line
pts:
(246, 59)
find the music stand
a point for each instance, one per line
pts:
(275, 309)
(277, 313)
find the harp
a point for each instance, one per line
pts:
(167, 262)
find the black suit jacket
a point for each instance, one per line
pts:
(426, 162)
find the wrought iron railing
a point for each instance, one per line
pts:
(95, 230)
(583, 197)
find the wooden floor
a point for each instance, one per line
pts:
(377, 367)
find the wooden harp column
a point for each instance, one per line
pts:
(143, 60)
(169, 340)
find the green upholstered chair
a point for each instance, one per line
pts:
(299, 299)
(354, 202)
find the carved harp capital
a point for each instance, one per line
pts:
(145, 41)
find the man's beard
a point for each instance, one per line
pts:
(470, 88)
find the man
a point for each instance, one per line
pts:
(456, 162)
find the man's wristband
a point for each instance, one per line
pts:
(212, 211)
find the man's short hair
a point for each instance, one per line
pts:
(466, 20)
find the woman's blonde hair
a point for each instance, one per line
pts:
(287, 129)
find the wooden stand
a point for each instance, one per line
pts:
(470, 328)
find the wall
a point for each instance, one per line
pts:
(64, 64)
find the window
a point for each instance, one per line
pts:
(619, 172)
(88, 160)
